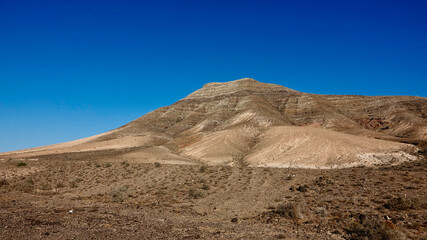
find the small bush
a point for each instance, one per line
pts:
(125, 164)
(28, 185)
(288, 210)
(46, 187)
(21, 164)
(196, 194)
(372, 229)
(119, 194)
(322, 212)
(203, 168)
(107, 165)
(400, 203)
(157, 164)
(73, 184)
(3, 182)
(422, 237)
(323, 181)
(78, 179)
(303, 188)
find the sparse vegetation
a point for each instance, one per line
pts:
(119, 194)
(322, 212)
(125, 164)
(45, 187)
(157, 164)
(303, 188)
(203, 168)
(196, 193)
(73, 184)
(21, 164)
(3, 182)
(401, 203)
(249, 197)
(323, 181)
(369, 228)
(288, 210)
(28, 185)
(78, 179)
(107, 165)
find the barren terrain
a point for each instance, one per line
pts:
(235, 160)
(82, 196)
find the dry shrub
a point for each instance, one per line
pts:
(303, 188)
(323, 181)
(372, 229)
(28, 185)
(288, 210)
(196, 193)
(125, 164)
(203, 168)
(73, 184)
(423, 147)
(45, 187)
(422, 237)
(3, 182)
(400, 203)
(322, 212)
(119, 194)
(157, 164)
(21, 164)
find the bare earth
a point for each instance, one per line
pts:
(120, 200)
(235, 160)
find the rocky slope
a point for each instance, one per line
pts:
(259, 124)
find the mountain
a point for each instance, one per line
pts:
(260, 124)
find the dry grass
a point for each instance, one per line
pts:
(288, 210)
(405, 203)
(196, 193)
(119, 194)
(373, 229)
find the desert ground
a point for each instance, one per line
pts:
(84, 196)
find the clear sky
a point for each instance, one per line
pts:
(72, 69)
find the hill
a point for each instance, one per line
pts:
(260, 124)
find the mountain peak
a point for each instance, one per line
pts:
(238, 81)
(215, 89)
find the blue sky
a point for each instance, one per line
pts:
(72, 69)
